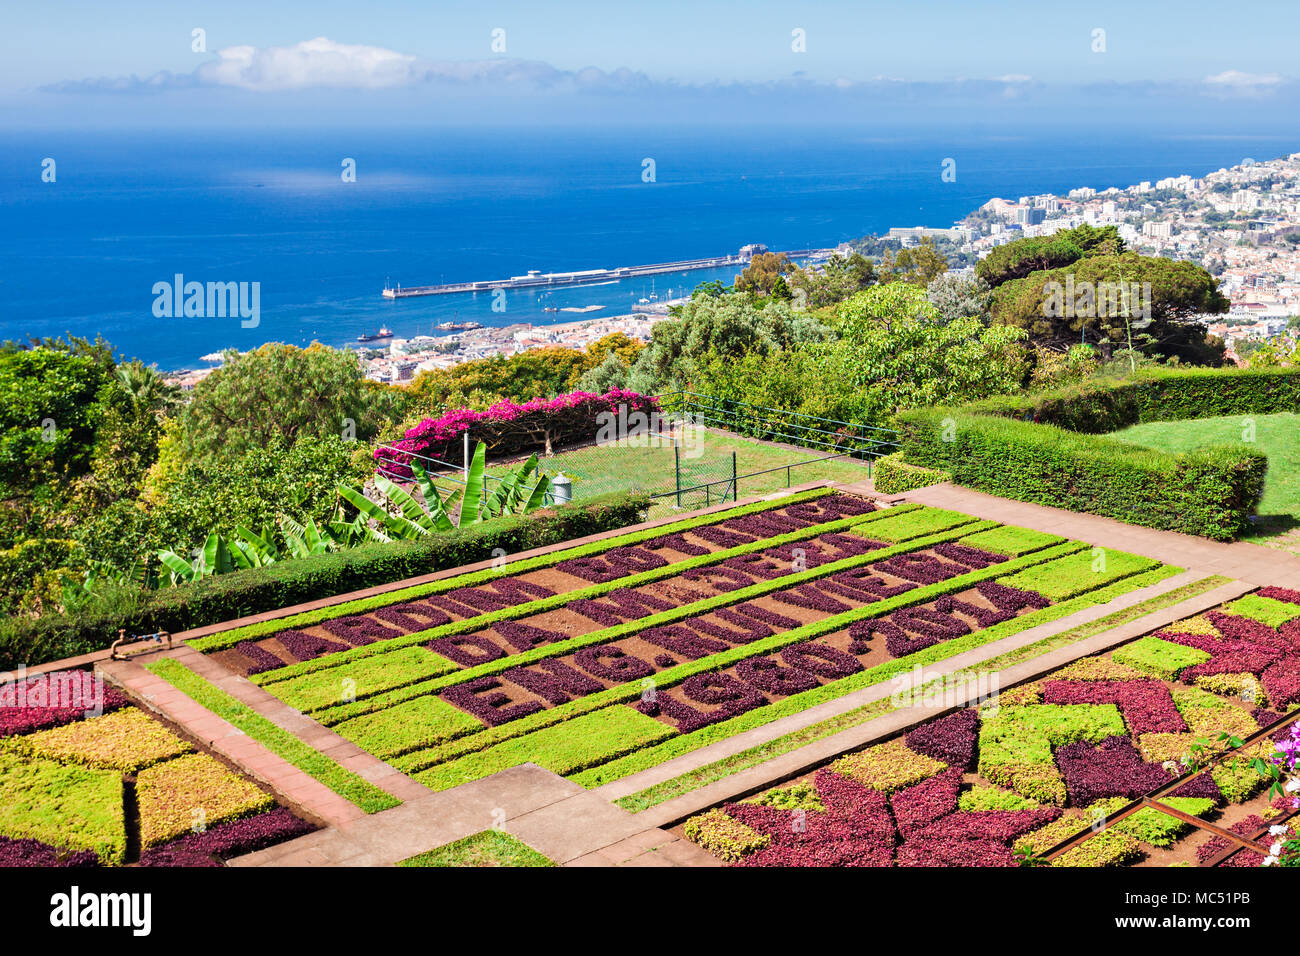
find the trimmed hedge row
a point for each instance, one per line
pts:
(1155, 395)
(227, 596)
(1210, 492)
(893, 476)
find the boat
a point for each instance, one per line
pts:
(550, 308)
(383, 333)
(459, 326)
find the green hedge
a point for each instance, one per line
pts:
(1154, 395)
(227, 596)
(893, 476)
(1210, 492)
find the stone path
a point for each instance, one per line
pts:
(554, 816)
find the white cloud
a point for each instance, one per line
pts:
(1014, 78)
(312, 63)
(1236, 79)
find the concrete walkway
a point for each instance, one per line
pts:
(559, 819)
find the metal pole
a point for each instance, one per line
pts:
(677, 470)
(735, 491)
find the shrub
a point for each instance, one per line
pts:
(176, 795)
(368, 676)
(992, 798)
(1266, 610)
(1073, 574)
(226, 596)
(1108, 848)
(1208, 492)
(893, 476)
(508, 428)
(126, 740)
(65, 806)
(1164, 659)
(895, 528)
(888, 767)
(1010, 540)
(1160, 829)
(724, 837)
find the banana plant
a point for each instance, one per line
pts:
(402, 516)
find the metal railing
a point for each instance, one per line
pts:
(768, 424)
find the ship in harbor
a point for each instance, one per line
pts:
(382, 335)
(459, 326)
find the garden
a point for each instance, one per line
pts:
(89, 779)
(1170, 750)
(603, 660)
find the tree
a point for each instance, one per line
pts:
(1104, 299)
(1032, 254)
(837, 279)
(762, 272)
(281, 391)
(959, 297)
(623, 345)
(729, 326)
(920, 264)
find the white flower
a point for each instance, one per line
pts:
(1269, 861)
(1293, 785)
(1276, 848)
(1278, 829)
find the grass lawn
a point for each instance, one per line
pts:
(1275, 436)
(489, 848)
(705, 457)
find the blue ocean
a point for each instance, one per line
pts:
(81, 255)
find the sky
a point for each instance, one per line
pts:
(140, 63)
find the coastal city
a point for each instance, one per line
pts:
(1242, 224)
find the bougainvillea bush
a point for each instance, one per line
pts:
(1063, 757)
(66, 780)
(663, 640)
(512, 428)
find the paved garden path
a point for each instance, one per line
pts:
(554, 816)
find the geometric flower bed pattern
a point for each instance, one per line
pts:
(74, 755)
(1021, 774)
(605, 659)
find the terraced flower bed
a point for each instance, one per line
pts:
(600, 661)
(88, 779)
(1015, 779)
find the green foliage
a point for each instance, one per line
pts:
(414, 725)
(979, 799)
(1265, 610)
(1162, 658)
(279, 741)
(1018, 259)
(1108, 848)
(836, 280)
(724, 837)
(1010, 540)
(893, 476)
(280, 391)
(564, 748)
(708, 326)
(489, 848)
(799, 796)
(224, 597)
(1160, 829)
(1076, 573)
(362, 678)
(63, 805)
(911, 524)
(1107, 404)
(1179, 293)
(763, 273)
(1209, 492)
